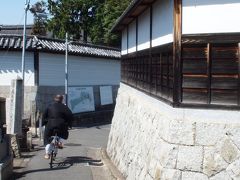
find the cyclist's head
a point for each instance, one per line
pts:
(58, 98)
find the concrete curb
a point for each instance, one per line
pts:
(112, 168)
(105, 170)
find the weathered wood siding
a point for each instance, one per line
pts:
(150, 72)
(211, 73)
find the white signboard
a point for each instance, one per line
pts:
(81, 99)
(106, 95)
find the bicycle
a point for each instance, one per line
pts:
(54, 145)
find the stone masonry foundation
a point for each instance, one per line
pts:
(152, 140)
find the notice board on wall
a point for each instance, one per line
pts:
(81, 99)
(106, 95)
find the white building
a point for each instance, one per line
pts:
(177, 112)
(89, 66)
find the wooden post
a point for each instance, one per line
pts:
(177, 74)
(209, 76)
(238, 74)
(150, 53)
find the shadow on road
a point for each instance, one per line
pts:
(17, 175)
(80, 159)
(60, 164)
(72, 144)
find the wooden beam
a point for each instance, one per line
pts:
(150, 52)
(177, 67)
(238, 74)
(209, 70)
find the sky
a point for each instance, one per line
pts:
(12, 12)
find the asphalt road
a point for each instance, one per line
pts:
(72, 162)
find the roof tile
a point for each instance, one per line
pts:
(55, 45)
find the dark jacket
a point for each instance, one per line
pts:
(57, 116)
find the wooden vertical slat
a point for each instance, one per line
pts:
(238, 74)
(177, 52)
(161, 67)
(168, 84)
(156, 77)
(209, 70)
(150, 51)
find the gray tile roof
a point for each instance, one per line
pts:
(14, 42)
(15, 29)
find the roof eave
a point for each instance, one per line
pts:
(135, 8)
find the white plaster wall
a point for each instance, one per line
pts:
(132, 37)
(11, 67)
(211, 16)
(162, 22)
(144, 30)
(124, 41)
(152, 140)
(82, 70)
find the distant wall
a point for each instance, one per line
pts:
(82, 70)
(152, 140)
(11, 67)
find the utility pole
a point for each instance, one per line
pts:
(27, 2)
(24, 39)
(66, 69)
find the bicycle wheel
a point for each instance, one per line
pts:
(51, 159)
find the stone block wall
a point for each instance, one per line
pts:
(30, 93)
(151, 140)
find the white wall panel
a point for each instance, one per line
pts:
(132, 37)
(162, 22)
(144, 30)
(82, 70)
(211, 16)
(124, 41)
(51, 69)
(11, 67)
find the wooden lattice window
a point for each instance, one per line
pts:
(151, 72)
(210, 74)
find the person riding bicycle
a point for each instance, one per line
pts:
(57, 116)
